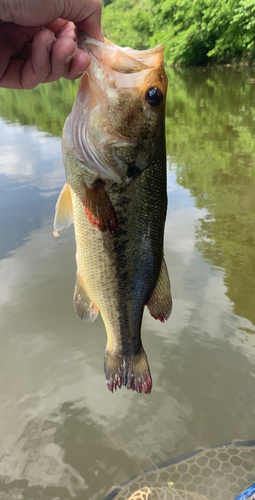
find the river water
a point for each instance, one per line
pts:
(63, 435)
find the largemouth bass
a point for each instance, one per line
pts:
(115, 194)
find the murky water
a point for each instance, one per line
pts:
(63, 435)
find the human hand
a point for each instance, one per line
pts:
(38, 43)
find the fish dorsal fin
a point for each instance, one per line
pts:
(160, 302)
(83, 305)
(64, 210)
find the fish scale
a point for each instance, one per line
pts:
(109, 264)
(115, 160)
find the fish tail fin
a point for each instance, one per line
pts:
(132, 371)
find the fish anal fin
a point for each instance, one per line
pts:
(132, 371)
(64, 210)
(83, 305)
(160, 302)
(98, 208)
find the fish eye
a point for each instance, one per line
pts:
(154, 97)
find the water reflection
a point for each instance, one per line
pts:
(211, 123)
(62, 434)
(46, 107)
(30, 171)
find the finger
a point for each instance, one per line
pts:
(11, 77)
(67, 60)
(86, 14)
(71, 64)
(38, 66)
(16, 42)
(92, 24)
(79, 64)
(31, 12)
(62, 53)
(26, 52)
(13, 40)
(6, 54)
(61, 27)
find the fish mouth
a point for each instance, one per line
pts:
(120, 60)
(139, 57)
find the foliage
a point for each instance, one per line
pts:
(211, 141)
(193, 31)
(198, 31)
(239, 37)
(127, 23)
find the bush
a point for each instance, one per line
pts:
(193, 31)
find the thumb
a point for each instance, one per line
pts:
(88, 18)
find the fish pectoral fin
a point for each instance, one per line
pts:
(98, 208)
(160, 302)
(83, 304)
(64, 210)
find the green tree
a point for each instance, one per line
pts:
(202, 31)
(238, 40)
(189, 30)
(128, 23)
(193, 31)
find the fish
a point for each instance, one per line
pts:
(114, 155)
(225, 472)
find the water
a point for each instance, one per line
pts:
(63, 435)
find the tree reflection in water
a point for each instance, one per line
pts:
(211, 138)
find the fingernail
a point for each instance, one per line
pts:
(69, 58)
(50, 44)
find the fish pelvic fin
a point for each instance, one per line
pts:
(83, 304)
(160, 302)
(98, 208)
(63, 211)
(132, 371)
